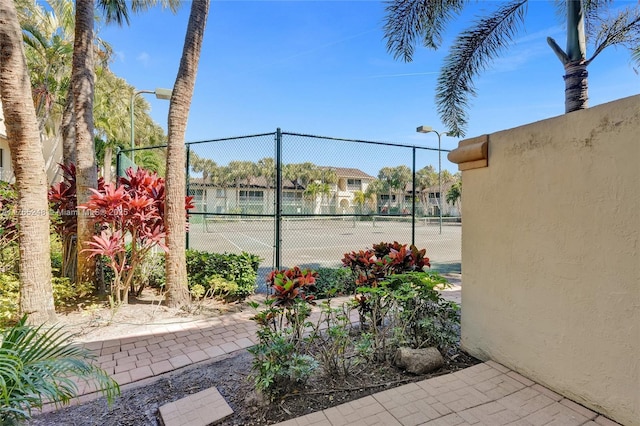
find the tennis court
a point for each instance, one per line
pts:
(322, 241)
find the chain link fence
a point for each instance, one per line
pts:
(296, 199)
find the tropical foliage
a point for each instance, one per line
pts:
(39, 366)
(132, 212)
(400, 306)
(599, 24)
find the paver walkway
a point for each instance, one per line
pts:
(486, 394)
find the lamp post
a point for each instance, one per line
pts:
(428, 129)
(160, 94)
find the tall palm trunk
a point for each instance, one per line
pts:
(576, 95)
(82, 84)
(36, 294)
(574, 59)
(68, 131)
(175, 221)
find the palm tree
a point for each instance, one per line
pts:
(385, 177)
(242, 171)
(111, 115)
(267, 169)
(36, 292)
(395, 179)
(207, 167)
(315, 189)
(82, 87)
(426, 178)
(477, 46)
(175, 221)
(48, 36)
(402, 176)
(374, 189)
(359, 198)
(454, 195)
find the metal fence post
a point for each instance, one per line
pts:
(278, 198)
(413, 198)
(186, 173)
(118, 154)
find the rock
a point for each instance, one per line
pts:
(418, 361)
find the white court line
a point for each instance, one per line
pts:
(249, 237)
(231, 242)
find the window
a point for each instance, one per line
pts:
(385, 197)
(291, 195)
(1, 158)
(251, 195)
(434, 195)
(220, 193)
(354, 184)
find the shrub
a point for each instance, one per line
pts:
(197, 291)
(371, 266)
(38, 366)
(8, 217)
(279, 364)
(233, 276)
(423, 317)
(9, 299)
(407, 310)
(332, 341)
(66, 292)
(149, 273)
(332, 282)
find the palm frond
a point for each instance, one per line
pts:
(470, 54)
(114, 11)
(39, 366)
(621, 29)
(143, 5)
(408, 20)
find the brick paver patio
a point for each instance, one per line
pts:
(485, 394)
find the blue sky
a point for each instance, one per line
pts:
(321, 67)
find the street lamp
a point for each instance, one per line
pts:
(160, 94)
(428, 129)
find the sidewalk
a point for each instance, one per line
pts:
(485, 394)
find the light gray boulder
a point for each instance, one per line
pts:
(418, 361)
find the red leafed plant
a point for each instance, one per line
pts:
(132, 212)
(63, 202)
(374, 265)
(384, 259)
(290, 285)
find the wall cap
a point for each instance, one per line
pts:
(471, 153)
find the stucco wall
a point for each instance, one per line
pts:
(551, 262)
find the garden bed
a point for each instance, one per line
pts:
(139, 406)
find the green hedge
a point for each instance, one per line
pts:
(332, 282)
(230, 276)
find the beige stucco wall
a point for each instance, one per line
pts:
(550, 255)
